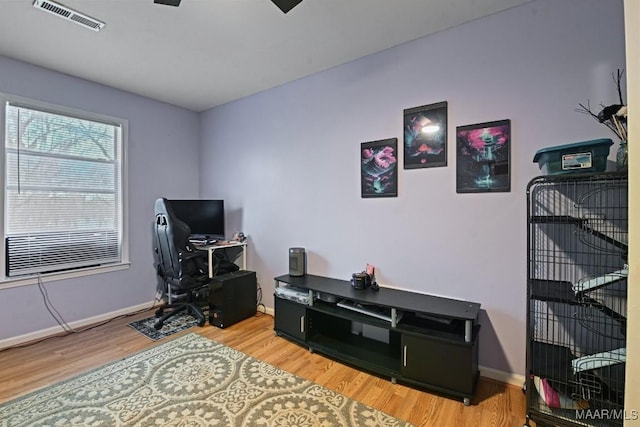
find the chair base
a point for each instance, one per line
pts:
(176, 308)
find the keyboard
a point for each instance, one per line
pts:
(198, 241)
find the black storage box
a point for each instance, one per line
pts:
(232, 298)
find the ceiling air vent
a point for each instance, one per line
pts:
(69, 14)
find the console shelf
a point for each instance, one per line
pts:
(425, 341)
(356, 350)
(334, 310)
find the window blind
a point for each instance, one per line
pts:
(63, 196)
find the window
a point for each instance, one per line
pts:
(63, 189)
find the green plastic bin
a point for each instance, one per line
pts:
(585, 156)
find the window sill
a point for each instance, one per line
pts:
(15, 282)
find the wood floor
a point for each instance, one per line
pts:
(28, 368)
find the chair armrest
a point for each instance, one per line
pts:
(185, 255)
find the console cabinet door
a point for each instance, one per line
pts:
(441, 363)
(290, 318)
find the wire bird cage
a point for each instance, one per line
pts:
(577, 299)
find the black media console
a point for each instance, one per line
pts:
(420, 340)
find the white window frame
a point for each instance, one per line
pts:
(9, 282)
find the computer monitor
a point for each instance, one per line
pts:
(204, 217)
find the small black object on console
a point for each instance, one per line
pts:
(360, 280)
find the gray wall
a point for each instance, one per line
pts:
(286, 161)
(163, 161)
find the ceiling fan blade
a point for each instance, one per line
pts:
(286, 5)
(168, 2)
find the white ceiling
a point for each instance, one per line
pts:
(205, 53)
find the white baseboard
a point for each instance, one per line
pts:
(504, 377)
(44, 333)
(270, 311)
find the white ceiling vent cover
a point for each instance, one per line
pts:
(69, 14)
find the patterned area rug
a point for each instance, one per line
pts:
(189, 381)
(177, 323)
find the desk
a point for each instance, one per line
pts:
(226, 245)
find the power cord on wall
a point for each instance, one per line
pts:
(51, 309)
(259, 302)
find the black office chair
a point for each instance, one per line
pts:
(181, 267)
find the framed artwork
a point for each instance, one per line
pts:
(425, 136)
(378, 168)
(483, 157)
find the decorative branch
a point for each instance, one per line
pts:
(587, 110)
(617, 81)
(614, 116)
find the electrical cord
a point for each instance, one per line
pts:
(264, 309)
(259, 301)
(51, 309)
(259, 295)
